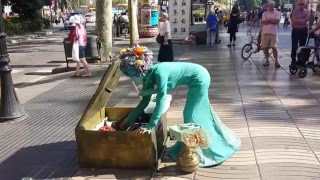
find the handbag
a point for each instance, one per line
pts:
(75, 51)
(160, 39)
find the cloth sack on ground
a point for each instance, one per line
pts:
(75, 51)
(176, 131)
(152, 104)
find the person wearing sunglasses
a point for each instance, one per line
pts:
(299, 18)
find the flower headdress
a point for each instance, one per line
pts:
(195, 139)
(135, 61)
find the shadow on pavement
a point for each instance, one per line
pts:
(54, 160)
(34, 46)
(115, 173)
(56, 78)
(32, 66)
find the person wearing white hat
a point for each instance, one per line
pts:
(79, 35)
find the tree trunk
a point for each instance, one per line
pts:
(104, 27)
(133, 26)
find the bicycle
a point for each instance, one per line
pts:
(251, 47)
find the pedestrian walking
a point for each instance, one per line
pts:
(286, 15)
(166, 49)
(299, 23)
(78, 36)
(165, 77)
(233, 25)
(212, 22)
(315, 30)
(269, 33)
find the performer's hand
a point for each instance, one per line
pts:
(124, 125)
(140, 131)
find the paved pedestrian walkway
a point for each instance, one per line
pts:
(275, 115)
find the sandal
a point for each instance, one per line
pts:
(87, 75)
(266, 64)
(277, 65)
(76, 75)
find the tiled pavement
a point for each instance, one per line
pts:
(275, 115)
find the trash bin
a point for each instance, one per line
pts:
(92, 49)
(115, 149)
(67, 50)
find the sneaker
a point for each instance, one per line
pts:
(229, 45)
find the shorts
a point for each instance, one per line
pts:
(269, 40)
(82, 52)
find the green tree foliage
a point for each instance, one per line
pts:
(249, 5)
(116, 2)
(257, 3)
(27, 9)
(72, 3)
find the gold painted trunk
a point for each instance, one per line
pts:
(118, 149)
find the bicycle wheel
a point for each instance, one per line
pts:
(293, 69)
(246, 51)
(303, 73)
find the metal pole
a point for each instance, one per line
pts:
(10, 108)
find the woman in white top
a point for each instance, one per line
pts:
(166, 50)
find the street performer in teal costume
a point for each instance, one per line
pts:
(166, 76)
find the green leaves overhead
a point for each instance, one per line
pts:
(27, 9)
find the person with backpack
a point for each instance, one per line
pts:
(78, 36)
(212, 28)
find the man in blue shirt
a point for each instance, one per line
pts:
(212, 28)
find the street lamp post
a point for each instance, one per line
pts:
(10, 108)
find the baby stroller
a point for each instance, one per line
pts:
(303, 55)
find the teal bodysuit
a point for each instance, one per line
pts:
(166, 76)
